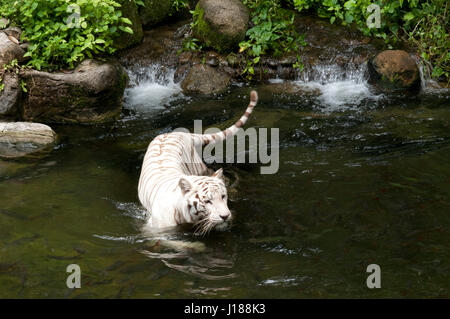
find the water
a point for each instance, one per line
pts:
(152, 89)
(340, 89)
(362, 179)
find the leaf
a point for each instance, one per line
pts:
(126, 29)
(408, 16)
(126, 20)
(348, 17)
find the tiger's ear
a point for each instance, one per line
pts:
(218, 173)
(185, 185)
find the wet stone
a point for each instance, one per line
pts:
(18, 139)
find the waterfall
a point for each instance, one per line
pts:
(152, 88)
(428, 85)
(340, 88)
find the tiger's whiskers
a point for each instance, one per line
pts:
(203, 227)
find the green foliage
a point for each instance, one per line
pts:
(424, 23)
(23, 85)
(429, 33)
(11, 67)
(180, 4)
(298, 64)
(273, 32)
(191, 44)
(59, 37)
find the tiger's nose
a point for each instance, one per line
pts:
(225, 217)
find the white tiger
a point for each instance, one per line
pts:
(173, 186)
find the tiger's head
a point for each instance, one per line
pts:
(206, 201)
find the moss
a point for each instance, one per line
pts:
(130, 10)
(155, 11)
(210, 36)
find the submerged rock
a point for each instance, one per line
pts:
(9, 49)
(394, 70)
(205, 80)
(92, 93)
(286, 91)
(221, 24)
(10, 95)
(9, 169)
(18, 139)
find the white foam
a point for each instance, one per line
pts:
(342, 95)
(152, 88)
(340, 89)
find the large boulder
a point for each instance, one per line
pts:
(18, 139)
(205, 80)
(9, 49)
(125, 40)
(394, 70)
(155, 11)
(92, 93)
(221, 24)
(10, 94)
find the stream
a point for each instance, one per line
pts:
(363, 178)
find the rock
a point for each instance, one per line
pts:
(92, 93)
(394, 70)
(10, 95)
(185, 57)
(15, 32)
(25, 46)
(4, 23)
(18, 139)
(287, 88)
(212, 59)
(155, 11)
(233, 60)
(286, 92)
(205, 80)
(125, 40)
(221, 24)
(9, 50)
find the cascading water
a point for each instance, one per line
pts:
(428, 85)
(152, 88)
(340, 89)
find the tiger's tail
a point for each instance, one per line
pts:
(232, 130)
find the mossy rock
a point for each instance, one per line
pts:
(155, 11)
(92, 93)
(393, 70)
(221, 24)
(204, 79)
(125, 40)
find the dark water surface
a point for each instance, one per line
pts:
(365, 184)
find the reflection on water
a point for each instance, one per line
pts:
(354, 188)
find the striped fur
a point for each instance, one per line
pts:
(174, 185)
